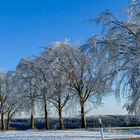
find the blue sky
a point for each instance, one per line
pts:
(26, 25)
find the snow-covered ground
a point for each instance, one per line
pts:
(62, 135)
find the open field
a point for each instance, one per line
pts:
(63, 135)
(18, 125)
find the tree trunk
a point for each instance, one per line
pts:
(83, 119)
(32, 116)
(8, 124)
(61, 126)
(2, 122)
(8, 121)
(46, 115)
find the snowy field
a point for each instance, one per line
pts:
(63, 135)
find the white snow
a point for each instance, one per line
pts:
(59, 135)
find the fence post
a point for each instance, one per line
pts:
(101, 127)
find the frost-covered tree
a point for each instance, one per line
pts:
(28, 80)
(60, 93)
(9, 98)
(3, 98)
(119, 48)
(14, 101)
(84, 81)
(41, 66)
(58, 81)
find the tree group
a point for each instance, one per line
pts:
(64, 73)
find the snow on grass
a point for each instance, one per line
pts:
(59, 135)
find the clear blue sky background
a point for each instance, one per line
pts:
(25, 25)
